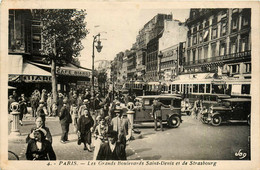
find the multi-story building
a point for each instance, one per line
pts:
(131, 64)
(170, 49)
(117, 70)
(218, 52)
(142, 39)
(124, 68)
(156, 26)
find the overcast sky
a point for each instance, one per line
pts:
(118, 28)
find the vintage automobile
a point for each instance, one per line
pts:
(208, 99)
(230, 110)
(170, 115)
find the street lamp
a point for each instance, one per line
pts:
(96, 39)
(160, 56)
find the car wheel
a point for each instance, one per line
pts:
(249, 119)
(174, 121)
(216, 120)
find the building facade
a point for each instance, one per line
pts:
(219, 43)
(155, 32)
(26, 58)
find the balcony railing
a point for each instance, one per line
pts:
(222, 58)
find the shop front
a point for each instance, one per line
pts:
(29, 76)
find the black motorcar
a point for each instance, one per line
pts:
(170, 115)
(230, 109)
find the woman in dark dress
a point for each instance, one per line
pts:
(39, 148)
(112, 150)
(85, 126)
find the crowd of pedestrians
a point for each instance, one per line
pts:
(100, 123)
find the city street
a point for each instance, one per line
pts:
(191, 141)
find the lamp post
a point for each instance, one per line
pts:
(96, 39)
(160, 55)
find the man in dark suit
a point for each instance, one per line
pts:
(112, 150)
(65, 120)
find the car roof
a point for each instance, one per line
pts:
(159, 97)
(238, 100)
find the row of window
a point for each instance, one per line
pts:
(203, 52)
(231, 89)
(203, 36)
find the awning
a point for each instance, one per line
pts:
(30, 69)
(68, 71)
(30, 73)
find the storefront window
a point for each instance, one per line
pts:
(190, 88)
(245, 89)
(201, 88)
(195, 88)
(177, 87)
(207, 88)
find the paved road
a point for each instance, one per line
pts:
(191, 141)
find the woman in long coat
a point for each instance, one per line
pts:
(85, 126)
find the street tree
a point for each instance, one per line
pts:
(62, 32)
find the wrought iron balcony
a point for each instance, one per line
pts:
(222, 58)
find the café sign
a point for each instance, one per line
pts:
(70, 72)
(35, 78)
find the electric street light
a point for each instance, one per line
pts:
(96, 39)
(160, 56)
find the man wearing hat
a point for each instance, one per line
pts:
(84, 106)
(42, 111)
(121, 125)
(65, 120)
(112, 150)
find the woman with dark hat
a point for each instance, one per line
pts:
(85, 126)
(39, 148)
(112, 150)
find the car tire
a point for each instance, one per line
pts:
(249, 119)
(174, 121)
(216, 120)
